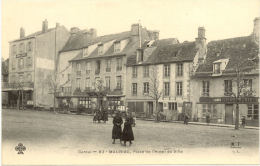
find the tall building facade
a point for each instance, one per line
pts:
(32, 61)
(98, 64)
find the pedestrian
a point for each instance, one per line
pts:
(105, 116)
(117, 130)
(243, 121)
(128, 134)
(207, 118)
(186, 118)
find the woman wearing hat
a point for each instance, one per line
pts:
(117, 130)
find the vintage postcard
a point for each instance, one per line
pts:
(98, 82)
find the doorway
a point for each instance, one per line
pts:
(229, 113)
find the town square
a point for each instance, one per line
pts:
(140, 82)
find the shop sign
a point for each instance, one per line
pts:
(242, 100)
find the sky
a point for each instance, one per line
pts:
(173, 18)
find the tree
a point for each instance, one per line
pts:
(154, 90)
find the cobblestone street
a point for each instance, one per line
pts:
(46, 132)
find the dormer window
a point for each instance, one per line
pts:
(100, 49)
(216, 69)
(117, 46)
(219, 66)
(85, 51)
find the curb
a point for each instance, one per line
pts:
(203, 124)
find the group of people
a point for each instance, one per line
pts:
(100, 115)
(127, 134)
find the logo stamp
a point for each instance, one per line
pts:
(20, 148)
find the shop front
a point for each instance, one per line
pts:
(223, 110)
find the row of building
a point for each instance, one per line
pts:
(136, 70)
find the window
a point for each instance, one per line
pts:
(146, 71)
(167, 70)
(78, 68)
(108, 62)
(134, 89)
(216, 68)
(29, 46)
(29, 62)
(78, 83)
(100, 49)
(21, 63)
(117, 46)
(118, 82)
(179, 88)
(228, 87)
(205, 88)
(248, 84)
(87, 83)
(118, 64)
(14, 50)
(211, 109)
(146, 87)
(108, 82)
(172, 106)
(98, 66)
(21, 78)
(134, 72)
(29, 78)
(85, 102)
(21, 48)
(87, 68)
(85, 51)
(253, 111)
(179, 69)
(166, 89)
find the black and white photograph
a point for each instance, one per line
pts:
(108, 82)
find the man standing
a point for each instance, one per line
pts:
(117, 130)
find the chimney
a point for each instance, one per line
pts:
(136, 35)
(139, 55)
(92, 33)
(44, 26)
(256, 29)
(22, 33)
(57, 25)
(201, 44)
(74, 30)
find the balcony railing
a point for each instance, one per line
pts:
(18, 85)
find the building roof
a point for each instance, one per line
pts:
(166, 51)
(33, 34)
(238, 50)
(80, 40)
(130, 49)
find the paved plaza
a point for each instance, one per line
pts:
(47, 132)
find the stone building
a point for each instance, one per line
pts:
(89, 64)
(32, 66)
(167, 65)
(215, 82)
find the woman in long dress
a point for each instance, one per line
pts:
(117, 130)
(128, 134)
